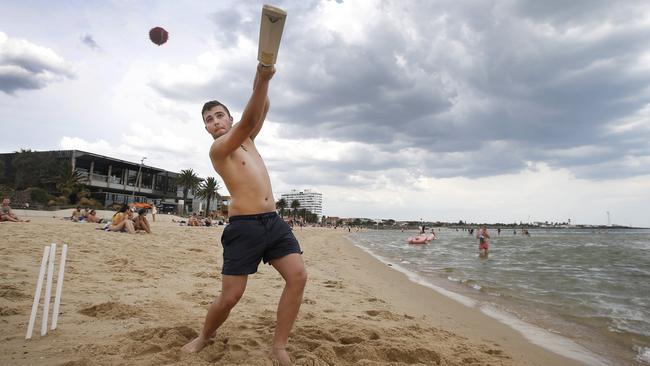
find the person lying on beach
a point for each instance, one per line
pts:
(92, 217)
(121, 221)
(256, 232)
(6, 214)
(140, 222)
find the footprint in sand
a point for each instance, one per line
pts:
(308, 301)
(383, 314)
(8, 311)
(117, 262)
(374, 299)
(315, 333)
(207, 275)
(496, 352)
(351, 340)
(155, 340)
(112, 310)
(12, 293)
(333, 284)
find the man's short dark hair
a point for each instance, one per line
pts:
(211, 104)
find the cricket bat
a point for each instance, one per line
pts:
(271, 29)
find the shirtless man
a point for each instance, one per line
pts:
(255, 232)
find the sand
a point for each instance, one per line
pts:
(136, 299)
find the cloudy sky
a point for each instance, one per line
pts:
(509, 110)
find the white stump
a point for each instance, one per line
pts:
(48, 289)
(59, 287)
(37, 293)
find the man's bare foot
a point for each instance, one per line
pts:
(195, 345)
(281, 355)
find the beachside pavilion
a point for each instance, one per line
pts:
(114, 181)
(117, 181)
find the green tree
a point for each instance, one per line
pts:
(70, 183)
(32, 169)
(208, 189)
(302, 213)
(190, 182)
(281, 205)
(295, 204)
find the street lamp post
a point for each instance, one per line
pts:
(137, 178)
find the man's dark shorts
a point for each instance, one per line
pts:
(248, 239)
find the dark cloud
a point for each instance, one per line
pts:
(15, 78)
(26, 66)
(229, 24)
(484, 88)
(89, 41)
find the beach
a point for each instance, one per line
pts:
(136, 299)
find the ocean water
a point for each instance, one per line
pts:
(581, 293)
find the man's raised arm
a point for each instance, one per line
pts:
(254, 112)
(267, 104)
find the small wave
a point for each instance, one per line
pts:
(472, 284)
(643, 354)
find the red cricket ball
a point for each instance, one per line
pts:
(158, 35)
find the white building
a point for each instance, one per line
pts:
(310, 200)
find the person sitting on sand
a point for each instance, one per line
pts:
(6, 214)
(121, 222)
(194, 220)
(482, 235)
(140, 222)
(76, 214)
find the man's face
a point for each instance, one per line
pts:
(217, 122)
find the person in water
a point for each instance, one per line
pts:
(482, 235)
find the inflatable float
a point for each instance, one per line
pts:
(421, 239)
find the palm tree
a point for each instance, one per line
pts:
(281, 205)
(70, 183)
(208, 190)
(295, 204)
(190, 182)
